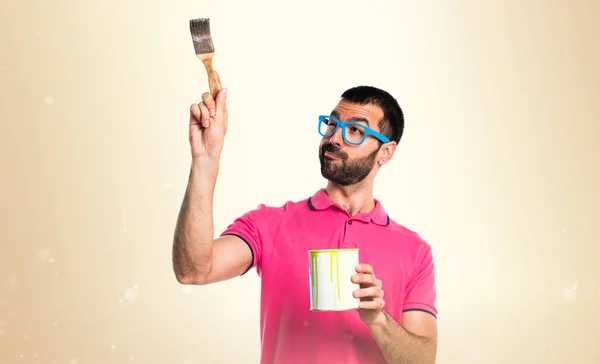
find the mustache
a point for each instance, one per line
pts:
(333, 150)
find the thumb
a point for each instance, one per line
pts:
(222, 104)
(217, 78)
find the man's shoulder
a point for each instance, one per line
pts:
(407, 235)
(289, 206)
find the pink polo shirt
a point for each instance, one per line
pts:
(280, 237)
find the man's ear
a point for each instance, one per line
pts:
(386, 152)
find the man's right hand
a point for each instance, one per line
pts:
(208, 125)
(198, 258)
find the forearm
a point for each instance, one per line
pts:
(400, 346)
(194, 232)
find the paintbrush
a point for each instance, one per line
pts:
(205, 50)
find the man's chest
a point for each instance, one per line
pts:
(286, 264)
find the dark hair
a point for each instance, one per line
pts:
(392, 124)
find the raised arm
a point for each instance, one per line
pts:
(197, 257)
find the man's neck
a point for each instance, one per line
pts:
(355, 199)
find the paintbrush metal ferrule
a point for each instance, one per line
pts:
(200, 29)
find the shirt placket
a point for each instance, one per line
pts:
(349, 240)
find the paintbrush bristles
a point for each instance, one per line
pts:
(200, 29)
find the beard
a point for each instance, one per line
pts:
(345, 172)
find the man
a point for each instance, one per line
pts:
(359, 137)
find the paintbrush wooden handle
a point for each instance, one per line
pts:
(213, 80)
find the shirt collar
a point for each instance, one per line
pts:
(320, 201)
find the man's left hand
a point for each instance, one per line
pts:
(370, 294)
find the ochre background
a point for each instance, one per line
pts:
(498, 168)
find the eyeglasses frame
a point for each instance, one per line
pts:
(342, 124)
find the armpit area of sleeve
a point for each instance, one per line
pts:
(253, 248)
(247, 228)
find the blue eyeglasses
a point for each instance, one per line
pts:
(352, 132)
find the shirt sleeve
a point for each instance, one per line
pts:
(420, 292)
(247, 228)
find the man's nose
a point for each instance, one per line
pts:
(337, 138)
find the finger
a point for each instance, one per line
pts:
(194, 114)
(367, 279)
(364, 268)
(225, 116)
(368, 293)
(377, 304)
(205, 118)
(208, 100)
